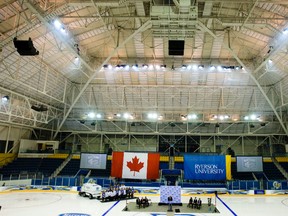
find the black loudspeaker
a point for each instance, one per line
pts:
(25, 47)
(176, 47)
(177, 210)
(40, 108)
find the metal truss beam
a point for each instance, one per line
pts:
(275, 50)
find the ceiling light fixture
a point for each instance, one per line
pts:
(57, 24)
(192, 116)
(126, 115)
(5, 98)
(184, 66)
(98, 116)
(91, 115)
(152, 115)
(145, 66)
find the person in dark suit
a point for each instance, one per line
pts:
(170, 199)
(190, 203)
(195, 203)
(199, 203)
(138, 202)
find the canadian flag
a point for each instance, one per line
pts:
(132, 165)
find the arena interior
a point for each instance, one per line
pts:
(143, 107)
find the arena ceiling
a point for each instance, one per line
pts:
(116, 58)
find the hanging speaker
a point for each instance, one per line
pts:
(176, 47)
(25, 47)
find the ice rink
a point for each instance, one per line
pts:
(52, 203)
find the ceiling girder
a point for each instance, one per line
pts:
(275, 50)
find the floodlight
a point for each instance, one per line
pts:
(5, 98)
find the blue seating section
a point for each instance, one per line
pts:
(284, 165)
(21, 165)
(102, 172)
(240, 175)
(179, 166)
(272, 172)
(163, 165)
(46, 166)
(49, 165)
(71, 168)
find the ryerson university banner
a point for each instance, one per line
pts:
(204, 167)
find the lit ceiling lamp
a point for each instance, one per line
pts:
(152, 115)
(57, 24)
(119, 66)
(201, 67)
(192, 116)
(98, 116)
(91, 115)
(246, 118)
(117, 115)
(126, 116)
(107, 66)
(63, 31)
(144, 66)
(221, 117)
(5, 98)
(253, 117)
(135, 66)
(184, 117)
(194, 67)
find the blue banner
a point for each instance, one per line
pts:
(204, 167)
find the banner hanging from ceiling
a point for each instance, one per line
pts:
(204, 167)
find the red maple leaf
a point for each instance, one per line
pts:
(135, 165)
